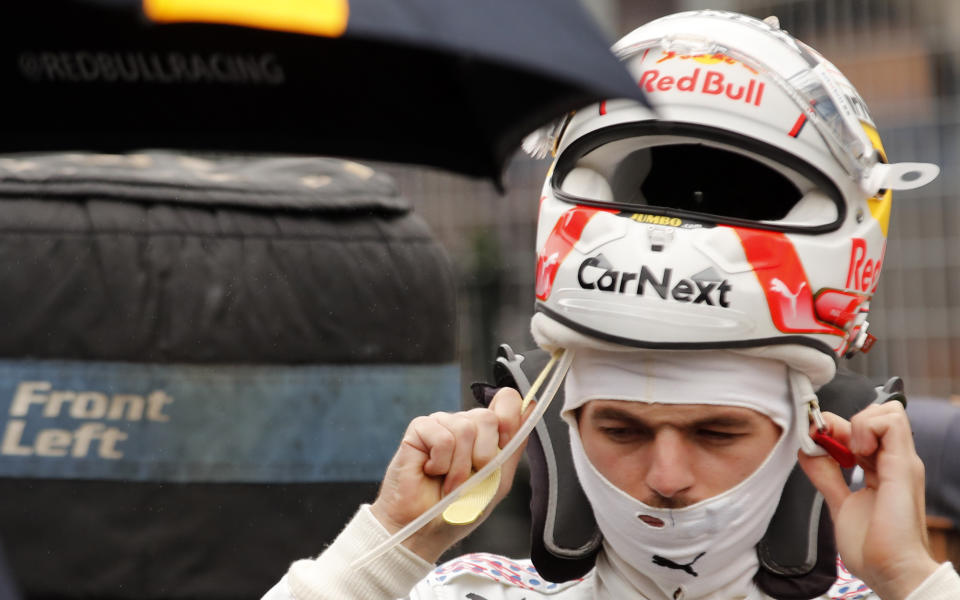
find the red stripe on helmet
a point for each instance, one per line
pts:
(801, 120)
(565, 234)
(780, 272)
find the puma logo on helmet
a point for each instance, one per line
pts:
(780, 287)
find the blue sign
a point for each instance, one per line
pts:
(211, 423)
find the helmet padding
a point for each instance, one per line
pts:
(585, 182)
(551, 336)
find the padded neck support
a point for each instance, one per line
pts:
(797, 554)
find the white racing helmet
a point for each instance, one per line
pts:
(748, 209)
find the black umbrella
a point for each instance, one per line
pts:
(449, 83)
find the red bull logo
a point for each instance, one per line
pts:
(702, 81)
(863, 273)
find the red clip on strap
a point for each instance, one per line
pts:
(835, 449)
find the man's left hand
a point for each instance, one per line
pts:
(881, 528)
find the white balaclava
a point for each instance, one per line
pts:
(710, 546)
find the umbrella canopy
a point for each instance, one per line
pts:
(454, 84)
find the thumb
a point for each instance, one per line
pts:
(826, 476)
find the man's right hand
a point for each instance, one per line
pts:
(437, 454)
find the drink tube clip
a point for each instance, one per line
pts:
(834, 448)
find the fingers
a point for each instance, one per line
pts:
(434, 443)
(823, 471)
(878, 424)
(837, 427)
(826, 476)
(887, 422)
(452, 446)
(506, 405)
(460, 457)
(487, 442)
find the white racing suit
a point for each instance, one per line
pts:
(402, 574)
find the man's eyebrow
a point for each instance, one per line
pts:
(730, 421)
(611, 412)
(722, 420)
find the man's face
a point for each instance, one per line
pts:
(671, 456)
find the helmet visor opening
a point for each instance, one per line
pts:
(698, 178)
(711, 181)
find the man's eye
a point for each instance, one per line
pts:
(622, 434)
(717, 435)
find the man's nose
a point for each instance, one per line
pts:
(670, 470)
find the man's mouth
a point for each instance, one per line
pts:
(651, 521)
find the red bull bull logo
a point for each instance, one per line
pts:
(705, 59)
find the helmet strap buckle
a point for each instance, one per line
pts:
(813, 409)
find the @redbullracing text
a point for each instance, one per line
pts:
(152, 67)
